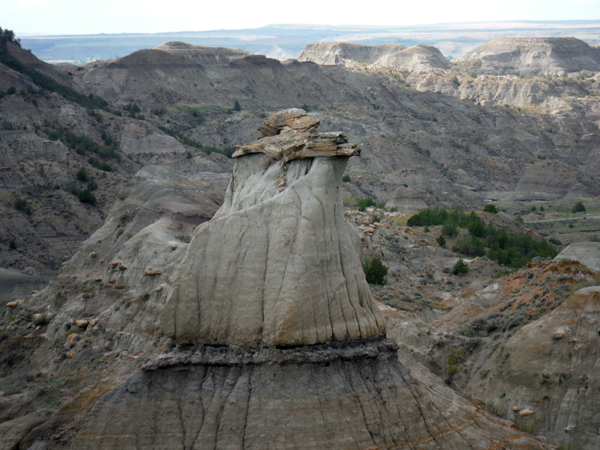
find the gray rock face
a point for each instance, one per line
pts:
(587, 253)
(340, 402)
(533, 56)
(278, 264)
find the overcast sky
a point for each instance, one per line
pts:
(151, 16)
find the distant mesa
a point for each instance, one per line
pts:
(419, 58)
(203, 55)
(533, 56)
(394, 56)
(342, 52)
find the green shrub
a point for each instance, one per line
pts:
(365, 203)
(132, 108)
(454, 79)
(471, 246)
(441, 240)
(450, 229)
(426, 229)
(346, 178)
(236, 106)
(20, 204)
(12, 245)
(86, 196)
(578, 207)
(489, 208)
(375, 272)
(82, 174)
(460, 267)
(100, 165)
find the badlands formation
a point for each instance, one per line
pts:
(109, 351)
(393, 56)
(279, 343)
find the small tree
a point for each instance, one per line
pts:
(12, 245)
(236, 106)
(579, 207)
(460, 267)
(441, 240)
(490, 209)
(375, 271)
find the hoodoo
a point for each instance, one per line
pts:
(276, 340)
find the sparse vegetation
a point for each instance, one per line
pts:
(46, 83)
(454, 363)
(80, 143)
(509, 249)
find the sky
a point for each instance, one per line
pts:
(59, 17)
